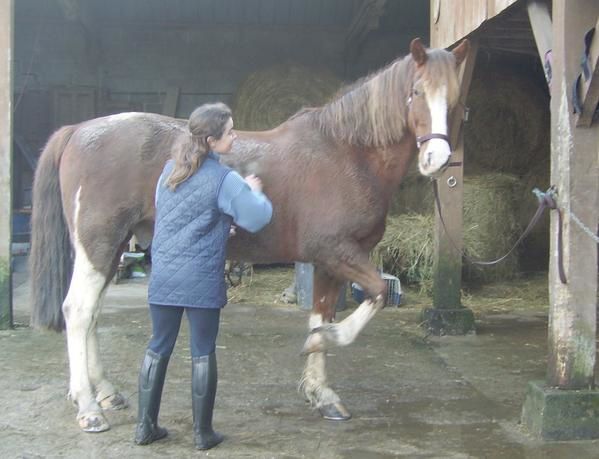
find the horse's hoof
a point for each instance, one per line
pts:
(335, 412)
(93, 423)
(114, 402)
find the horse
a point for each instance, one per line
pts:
(329, 171)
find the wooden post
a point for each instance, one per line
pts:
(572, 327)
(6, 90)
(448, 316)
(564, 406)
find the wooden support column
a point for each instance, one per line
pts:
(6, 90)
(448, 316)
(565, 406)
(574, 170)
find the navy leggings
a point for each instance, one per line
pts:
(166, 322)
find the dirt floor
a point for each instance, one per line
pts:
(411, 396)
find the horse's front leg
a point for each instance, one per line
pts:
(80, 308)
(314, 382)
(357, 268)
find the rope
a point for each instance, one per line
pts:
(582, 226)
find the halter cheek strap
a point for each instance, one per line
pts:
(425, 138)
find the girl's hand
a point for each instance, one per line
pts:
(254, 182)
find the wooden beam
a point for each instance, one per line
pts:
(171, 101)
(447, 277)
(589, 88)
(365, 21)
(79, 11)
(6, 121)
(572, 309)
(542, 29)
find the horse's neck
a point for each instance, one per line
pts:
(393, 162)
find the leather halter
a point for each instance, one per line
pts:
(425, 138)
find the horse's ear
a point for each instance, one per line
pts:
(418, 51)
(461, 51)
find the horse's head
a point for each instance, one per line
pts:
(434, 92)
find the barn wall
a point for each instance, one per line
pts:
(141, 62)
(126, 59)
(77, 59)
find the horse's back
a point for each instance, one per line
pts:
(318, 189)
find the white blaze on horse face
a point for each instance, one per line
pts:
(435, 153)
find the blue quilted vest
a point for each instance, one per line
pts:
(190, 240)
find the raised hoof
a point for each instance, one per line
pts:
(114, 402)
(335, 412)
(93, 423)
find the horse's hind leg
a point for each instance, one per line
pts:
(106, 395)
(81, 307)
(314, 382)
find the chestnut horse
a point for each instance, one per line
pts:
(329, 171)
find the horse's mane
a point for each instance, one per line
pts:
(372, 111)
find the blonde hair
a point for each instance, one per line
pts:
(208, 120)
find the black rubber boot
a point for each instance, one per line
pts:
(151, 381)
(203, 392)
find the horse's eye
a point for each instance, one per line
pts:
(416, 92)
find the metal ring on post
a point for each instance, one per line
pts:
(452, 182)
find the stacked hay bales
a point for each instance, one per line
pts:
(491, 228)
(508, 131)
(508, 125)
(491, 225)
(414, 195)
(269, 96)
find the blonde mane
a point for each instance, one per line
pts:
(372, 111)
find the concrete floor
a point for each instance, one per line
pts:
(411, 396)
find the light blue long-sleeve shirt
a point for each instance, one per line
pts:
(251, 210)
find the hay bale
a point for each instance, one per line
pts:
(268, 97)
(414, 195)
(491, 225)
(508, 125)
(406, 250)
(490, 230)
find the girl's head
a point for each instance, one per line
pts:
(210, 128)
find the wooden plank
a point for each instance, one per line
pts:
(365, 20)
(572, 310)
(6, 90)
(589, 90)
(171, 101)
(447, 276)
(455, 19)
(542, 29)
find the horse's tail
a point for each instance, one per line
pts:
(50, 260)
